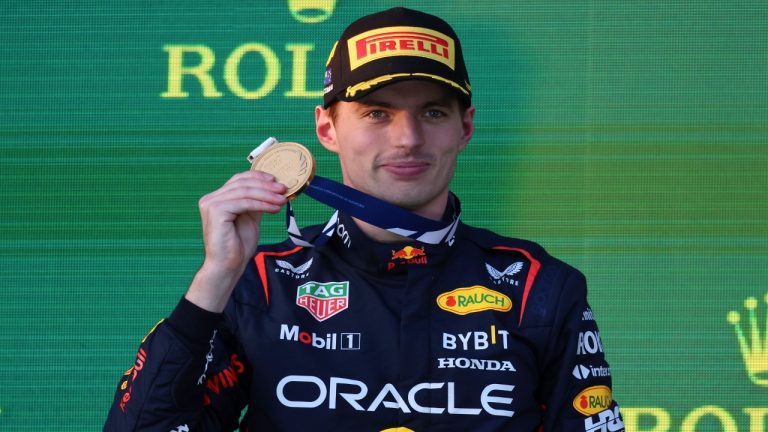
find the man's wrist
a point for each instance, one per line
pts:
(210, 288)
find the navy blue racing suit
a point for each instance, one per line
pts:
(484, 333)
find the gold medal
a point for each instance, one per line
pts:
(291, 164)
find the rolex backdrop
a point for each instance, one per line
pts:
(629, 138)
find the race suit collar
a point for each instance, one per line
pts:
(376, 212)
(360, 250)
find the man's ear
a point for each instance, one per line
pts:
(326, 133)
(468, 126)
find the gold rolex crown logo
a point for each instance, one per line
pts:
(311, 11)
(754, 348)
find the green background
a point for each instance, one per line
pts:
(629, 138)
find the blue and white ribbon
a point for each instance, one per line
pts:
(366, 208)
(373, 211)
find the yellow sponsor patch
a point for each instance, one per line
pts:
(401, 41)
(593, 400)
(477, 298)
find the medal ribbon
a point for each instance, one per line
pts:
(366, 208)
(373, 211)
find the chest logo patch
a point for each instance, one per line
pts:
(323, 299)
(499, 276)
(477, 298)
(287, 268)
(593, 400)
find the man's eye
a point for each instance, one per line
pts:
(434, 113)
(376, 114)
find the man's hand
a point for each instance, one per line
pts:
(231, 218)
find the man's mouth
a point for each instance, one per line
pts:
(409, 168)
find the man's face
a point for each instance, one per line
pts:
(399, 143)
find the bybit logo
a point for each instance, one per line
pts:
(756, 354)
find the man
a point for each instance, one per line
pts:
(371, 326)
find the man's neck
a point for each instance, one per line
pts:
(383, 236)
(378, 234)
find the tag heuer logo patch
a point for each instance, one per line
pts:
(323, 299)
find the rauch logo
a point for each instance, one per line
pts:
(477, 298)
(592, 400)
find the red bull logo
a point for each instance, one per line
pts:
(477, 298)
(408, 255)
(408, 252)
(401, 41)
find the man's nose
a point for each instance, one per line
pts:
(408, 131)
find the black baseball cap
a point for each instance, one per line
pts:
(394, 45)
